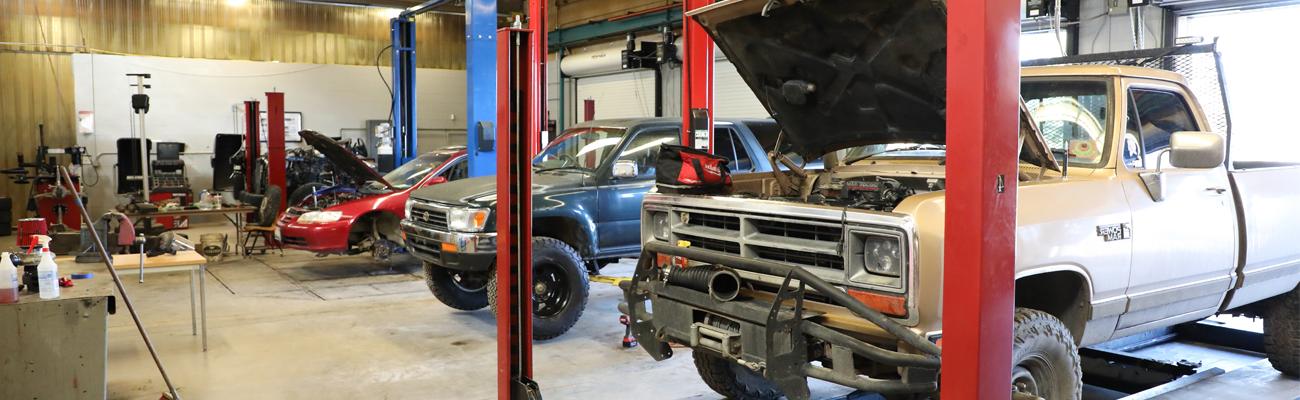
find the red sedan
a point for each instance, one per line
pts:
(344, 220)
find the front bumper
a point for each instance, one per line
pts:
(774, 335)
(472, 252)
(326, 238)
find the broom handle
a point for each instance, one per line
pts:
(121, 290)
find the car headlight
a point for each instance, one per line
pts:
(320, 217)
(659, 225)
(882, 255)
(467, 219)
(406, 210)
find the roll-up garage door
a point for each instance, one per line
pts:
(1189, 7)
(731, 96)
(619, 95)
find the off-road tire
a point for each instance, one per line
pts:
(732, 380)
(1282, 333)
(560, 254)
(1042, 343)
(444, 287)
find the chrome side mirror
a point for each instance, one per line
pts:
(1198, 150)
(624, 169)
(1191, 150)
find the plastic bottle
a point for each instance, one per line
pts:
(8, 280)
(47, 275)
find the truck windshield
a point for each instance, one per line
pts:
(1072, 115)
(579, 148)
(413, 171)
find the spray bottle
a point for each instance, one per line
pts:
(8, 279)
(47, 272)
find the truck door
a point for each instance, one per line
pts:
(1184, 247)
(618, 225)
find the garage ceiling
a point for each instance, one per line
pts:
(503, 6)
(1188, 7)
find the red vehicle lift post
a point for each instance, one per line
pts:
(979, 243)
(697, 81)
(520, 114)
(275, 144)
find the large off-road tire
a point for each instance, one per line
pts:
(454, 290)
(1282, 333)
(731, 379)
(1044, 357)
(560, 287)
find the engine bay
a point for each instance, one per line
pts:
(871, 192)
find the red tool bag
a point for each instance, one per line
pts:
(682, 169)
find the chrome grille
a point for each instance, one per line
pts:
(799, 230)
(809, 243)
(430, 217)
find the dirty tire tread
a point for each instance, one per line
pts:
(439, 282)
(718, 374)
(1031, 325)
(1282, 333)
(576, 306)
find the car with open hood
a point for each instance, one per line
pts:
(837, 274)
(363, 215)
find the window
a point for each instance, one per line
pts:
(579, 148)
(1155, 115)
(1072, 116)
(644, 148)
(728, 145)
(459, 170)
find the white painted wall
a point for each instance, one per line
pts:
(194, 99)
(1101, 32)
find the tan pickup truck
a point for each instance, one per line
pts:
(1129, 218)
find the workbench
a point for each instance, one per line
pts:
(237, 220)
(58, 348)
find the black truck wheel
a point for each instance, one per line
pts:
(1044, 357)
(1282, 333)
(560, 288)
(455, 290)
(731, 379)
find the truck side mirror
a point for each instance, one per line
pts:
(1192, 150)
(1200, 150)
(624, 169)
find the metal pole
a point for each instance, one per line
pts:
(144, 142)
(983, 87)
(117, 281)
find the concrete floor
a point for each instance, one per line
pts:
(301, 327)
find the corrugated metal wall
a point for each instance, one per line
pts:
(37, 36)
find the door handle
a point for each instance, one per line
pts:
(1216, 190)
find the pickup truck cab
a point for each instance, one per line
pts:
(1129, 218)
(586, 213)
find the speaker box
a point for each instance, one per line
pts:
(223, 149)
(128, 164)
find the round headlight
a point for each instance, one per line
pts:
(882, 256)
(659, 225)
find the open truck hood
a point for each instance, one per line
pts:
(842, 73)
(345, 160)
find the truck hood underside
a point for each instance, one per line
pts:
(842, 73)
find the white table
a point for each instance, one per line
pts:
(189, 260)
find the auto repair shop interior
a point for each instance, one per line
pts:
(648, 199)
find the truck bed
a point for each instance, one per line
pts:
(1268, 214)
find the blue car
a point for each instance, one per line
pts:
(586, 213)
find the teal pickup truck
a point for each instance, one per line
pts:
(587, 189)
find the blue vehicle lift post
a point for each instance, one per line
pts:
(481, 93)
